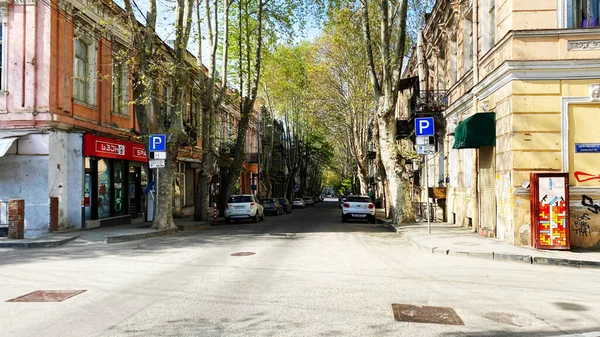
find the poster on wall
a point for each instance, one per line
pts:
(550, 210)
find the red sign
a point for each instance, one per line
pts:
(94, 146)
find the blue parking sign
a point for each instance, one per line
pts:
(424, 127)
(158, 143)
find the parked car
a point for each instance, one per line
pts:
(244, 206)
(272, 206)
(286, 204)
(358, 207)
(298, 202)
(308, 201)
(341, 200)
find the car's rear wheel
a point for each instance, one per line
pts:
(263, 216)
(372, 220)
(227, 220)
(344, 219)
(255, 219)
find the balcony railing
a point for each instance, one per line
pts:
(428, 103)
(252, 157)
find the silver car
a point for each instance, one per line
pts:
(298, 202)
(241, 207)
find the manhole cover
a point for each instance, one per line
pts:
(47, 296)
(242, 254)
(425, 314)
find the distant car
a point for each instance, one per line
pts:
(272, 206)
(285, 204)
(241, 207)
(308, 201)
(298, 202)
(358, 207)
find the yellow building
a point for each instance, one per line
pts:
(536, 66)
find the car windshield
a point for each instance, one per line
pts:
(268, 201)
(358, 199)
(282, 201)
(239, 199)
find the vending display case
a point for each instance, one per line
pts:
(549, 195)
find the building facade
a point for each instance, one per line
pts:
(67, 125)
(532, 66)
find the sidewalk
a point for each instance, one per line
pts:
(449, 239)
(106, 235)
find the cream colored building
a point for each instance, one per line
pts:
(536, 66)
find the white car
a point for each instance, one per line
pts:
(298, 202)
(241, 207)
(308, 201)
(358, 207)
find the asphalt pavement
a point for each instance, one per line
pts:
(303, 274)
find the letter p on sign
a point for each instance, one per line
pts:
(158, 143)
(424, 126)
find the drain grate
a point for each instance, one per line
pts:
(47, 296)
(425, 314)
(242, 254)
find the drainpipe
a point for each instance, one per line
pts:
(24, 60)
(476, 224)
(35, 62)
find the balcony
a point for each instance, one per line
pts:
(429, 103)
(252, 158)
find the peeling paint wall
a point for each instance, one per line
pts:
(504, 207)
(24, 175)
(65, 168)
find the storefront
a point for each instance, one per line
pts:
(114, 181)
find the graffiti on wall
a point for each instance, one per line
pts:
(580, 225)
(589, 203)
(583, 177)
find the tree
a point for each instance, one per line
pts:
(343, 89)
(209, 100)
(259, 25)
(391, 15)
(154, 67)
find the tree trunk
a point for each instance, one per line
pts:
(364, 186)
(398, 184)
(164, 217)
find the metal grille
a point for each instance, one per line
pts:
(435, 212)
(487, 191)
(425, 314)
(47, 296)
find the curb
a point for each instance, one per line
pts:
(505, 257)
(133, 237)
(195, 226)
(37, 244)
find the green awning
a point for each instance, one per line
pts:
(476, 131)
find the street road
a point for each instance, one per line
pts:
(310, 275)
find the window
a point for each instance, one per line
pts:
(120, 86)
(488, 29)
(453, 60)
(583, 13)
(84, 68)
(80, 79)
(468, 42)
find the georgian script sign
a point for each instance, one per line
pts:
(584, 45)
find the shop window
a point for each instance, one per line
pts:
(84, 63)
(119, 188)
(583, 13)
(120, 84)
(104, 188)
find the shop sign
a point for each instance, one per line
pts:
(94, 146)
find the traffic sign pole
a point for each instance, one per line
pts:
(425, 127)
(158, 147)
(427, 193)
